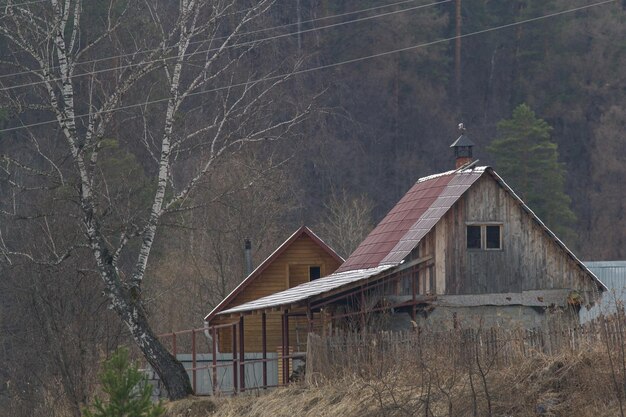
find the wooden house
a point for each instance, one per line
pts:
(302, 258)
(459, 246)
(459, 249)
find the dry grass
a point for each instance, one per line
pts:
(567, 385)
(429, 383)
(191, 407)
(322, 401)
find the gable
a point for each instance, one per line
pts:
(530, 258)
(290, 260)
(562, 249)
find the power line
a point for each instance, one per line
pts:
(345, 14)
(248, 33)
(337, 64)
(231, 46)
(23, 4)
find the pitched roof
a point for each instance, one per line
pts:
(389, 243)
(411, 219)
(462, 140)
(268, 261)
(398, 234)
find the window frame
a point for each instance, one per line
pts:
(483, 236)
(318, 267)
(499, 226)
(467, 241)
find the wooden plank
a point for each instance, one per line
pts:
(533, 298)
(440, 257)
(529, 260)
(413, 263)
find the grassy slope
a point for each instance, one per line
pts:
(566, 385)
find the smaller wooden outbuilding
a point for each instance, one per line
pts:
(302, 258)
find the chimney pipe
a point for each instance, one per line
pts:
(248, 255)
(462, 148)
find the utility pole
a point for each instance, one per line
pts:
(457, 48)
(299, 26)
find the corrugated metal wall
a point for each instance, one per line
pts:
(204, 380)
(613, 275)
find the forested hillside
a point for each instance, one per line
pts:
(142, 142)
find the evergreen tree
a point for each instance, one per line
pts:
(128, 390)
(527, 158)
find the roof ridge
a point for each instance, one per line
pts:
(452, 171)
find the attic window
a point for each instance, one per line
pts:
(315, 272)
(484, 236)
(493, 237)
(473, 237)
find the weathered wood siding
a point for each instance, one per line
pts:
(529, 260)
(291, 268)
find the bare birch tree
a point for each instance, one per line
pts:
(186, 86)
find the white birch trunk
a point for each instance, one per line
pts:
(56, 63)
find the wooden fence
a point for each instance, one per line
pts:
(357, 352)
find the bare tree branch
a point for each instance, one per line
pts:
(109, 193)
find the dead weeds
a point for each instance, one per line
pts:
(578, 384)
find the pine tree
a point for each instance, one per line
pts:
(527, 159)
(128, 390)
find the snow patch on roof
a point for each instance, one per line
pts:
(443, 174)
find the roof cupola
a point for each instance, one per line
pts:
(462, 148)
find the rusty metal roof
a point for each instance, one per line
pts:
(411, 219)
(308, 289)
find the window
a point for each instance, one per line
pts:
(484, 236)
(314, 272)
(493, 237)
(473, 237)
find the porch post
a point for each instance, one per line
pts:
(414, 278)
(242, 357)
(214, 358)
(285, 346)
(309, 316)
(286, 368)
(193, 359)
(264, 346)
(363, 310)
(234, 334)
